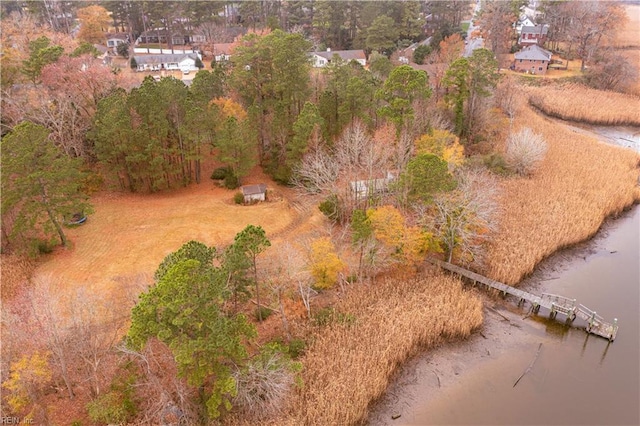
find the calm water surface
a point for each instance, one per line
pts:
(577, 379)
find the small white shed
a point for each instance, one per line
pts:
(253, 193)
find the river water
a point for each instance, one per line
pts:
(577, 379)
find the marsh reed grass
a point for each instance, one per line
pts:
(351, 361)
(579, 184)
(574, 102)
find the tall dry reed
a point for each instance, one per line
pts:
(629, 36)
(351, 361)
(574, 102)
(580, 183)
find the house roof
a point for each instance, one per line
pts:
(118, 36)
(223, 48)
(163, 59)
(535, 29)
(260, 188)
(533, 53)
(525, 17)
(345, 55)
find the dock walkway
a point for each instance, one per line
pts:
(552, 302)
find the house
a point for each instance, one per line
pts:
(222, 51)
(321, 59)
(114, 40)
(536, 34)
(253, 193)
(406, 55)
(532, 59)
(523, 21)
(183, 62)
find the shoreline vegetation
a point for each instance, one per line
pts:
(372, 331)
(565, 203)
(603, 108)
(580, 183)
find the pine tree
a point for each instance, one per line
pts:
(40, 184)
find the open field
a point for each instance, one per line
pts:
(129, 234)
(578, 103)
(580, 183)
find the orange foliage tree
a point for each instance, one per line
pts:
(94, 21)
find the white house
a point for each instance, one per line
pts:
(114, 40)
(222, 51)
(321, 59)
(524, 21)
(183, 62)
(253, 193)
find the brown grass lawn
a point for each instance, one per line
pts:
(129, 234)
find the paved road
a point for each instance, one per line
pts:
(473, 43)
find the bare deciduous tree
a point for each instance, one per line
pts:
(593, 22)
(464, 219)
(97, 325)
(168, 399)
(357, 156)
(262, 387)
(507, 95)
(48, 322)
(213, 34)
(287, 271)
(525, 151)
(612, 71)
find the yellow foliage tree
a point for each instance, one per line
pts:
(94, 22)
(26, 378)
(230, 108)
(444, 144)
(325, 263)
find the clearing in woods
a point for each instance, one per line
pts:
(129, 234)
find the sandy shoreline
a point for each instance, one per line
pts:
(505, 329)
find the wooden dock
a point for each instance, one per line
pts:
(552, 302)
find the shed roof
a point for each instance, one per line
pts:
(533, 53)
(260, 188)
